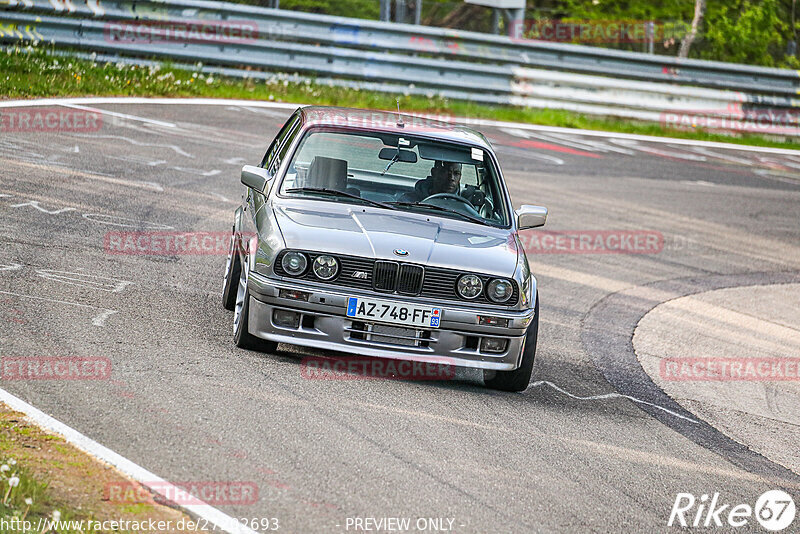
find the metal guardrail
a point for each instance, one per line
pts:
(424, 60)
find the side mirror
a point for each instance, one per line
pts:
(255, 177)
(531, 217)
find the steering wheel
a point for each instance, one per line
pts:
(487, 209)
(452, 196)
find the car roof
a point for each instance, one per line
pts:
(386, 121)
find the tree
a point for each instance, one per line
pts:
(754, 32)
(699, 13)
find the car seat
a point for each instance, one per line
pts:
(327, 173)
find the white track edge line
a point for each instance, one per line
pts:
(127, 467)
(460, 120)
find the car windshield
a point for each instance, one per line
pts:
(399, 172)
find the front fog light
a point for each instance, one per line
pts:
(469, 286)
(286, 318)
(294, 263)
(500, 290)
(494, 344)
(325, 267)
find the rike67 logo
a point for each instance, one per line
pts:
(774, 510)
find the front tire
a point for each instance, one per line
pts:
(518, 379)
(241, 318)
(233, 270)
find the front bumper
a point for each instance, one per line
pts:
(324, 325)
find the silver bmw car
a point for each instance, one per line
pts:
(388, 236)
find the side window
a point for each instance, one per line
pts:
(278, 142)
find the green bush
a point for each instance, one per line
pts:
(755, 32)
(360, 9)
(749, 32)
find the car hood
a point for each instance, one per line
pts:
(370, 232)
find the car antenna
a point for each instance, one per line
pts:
(399, 117)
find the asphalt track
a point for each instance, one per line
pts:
(592, 446)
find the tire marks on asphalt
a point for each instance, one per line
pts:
(736, 242)
(611, 349)
(175, 148)
(64, 171)
(580, 145)
(97, 320)
(120, 115)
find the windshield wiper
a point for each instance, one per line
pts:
(440, 208)
(337, 193)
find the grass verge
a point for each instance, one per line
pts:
(44, 478)
(35, 73)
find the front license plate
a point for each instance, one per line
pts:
(385, 311)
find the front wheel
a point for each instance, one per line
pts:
(241, 318)
(233, 270)
(518, 379)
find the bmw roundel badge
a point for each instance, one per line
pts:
(400, 252)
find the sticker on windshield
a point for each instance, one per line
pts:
(477, 154)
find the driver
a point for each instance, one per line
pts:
(445, 178)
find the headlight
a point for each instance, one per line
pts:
(325, 267)
(469, 286)
(500, 290)
(294, 263)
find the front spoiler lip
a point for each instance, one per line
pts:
(364, 350)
